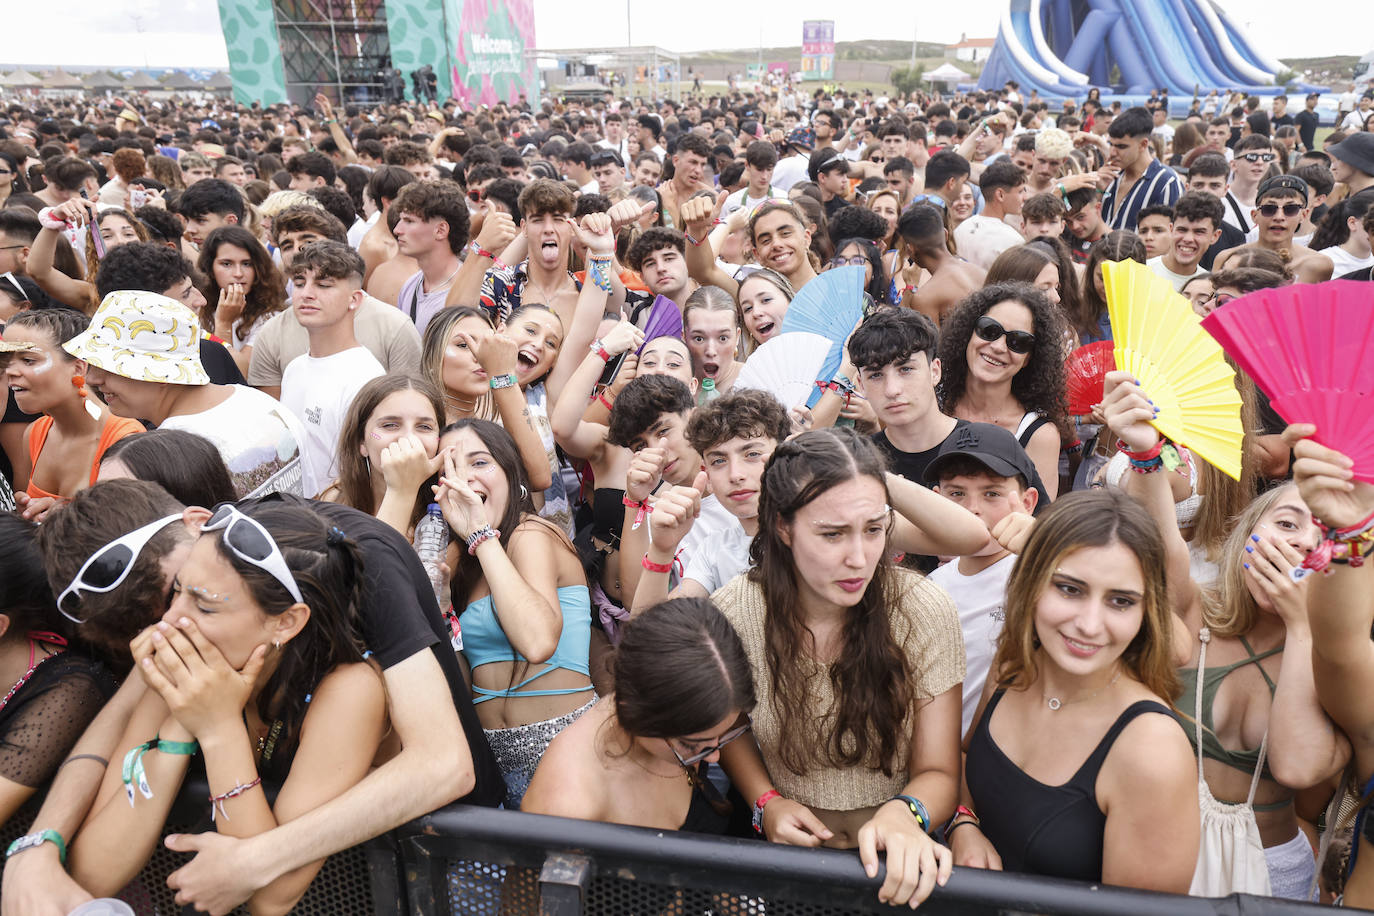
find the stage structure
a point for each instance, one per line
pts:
(641, 70)
(283, 50)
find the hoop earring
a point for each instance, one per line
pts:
(524, 494)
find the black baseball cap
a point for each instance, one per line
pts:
(1283, 183)
(991, 446)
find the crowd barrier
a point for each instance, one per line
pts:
(469, 861)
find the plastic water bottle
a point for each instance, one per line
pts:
(431, 543)
(708, 392)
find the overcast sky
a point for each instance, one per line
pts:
(178, 33)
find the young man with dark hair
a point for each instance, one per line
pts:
(690, 159)
(319, 385)
(986, 471)
(1320, 183)
(1139, 179)
(650, 419)
(735, 435)
(66, 179)
(379, 245)
(577, 165)
(829, 169)
(1252, 158)
(19, 227)
(946, 173)
(547, 207)
(311, 170)
(1307, 121)
(1084, 222)
(899, 174)
(431, 227)
(414, 158)
(1211, 173)
(209, 204)
(1152, 225)
(1194, 227)
(982, 237)
(760, 158)
(443, 753)
(893, 136)
(660, 257)
(1042, 215)
(648, 169)
(231, 170)
(382, 329)
(1281, 204)
(608, 168)
(925, 245)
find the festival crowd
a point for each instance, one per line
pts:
(356, 461)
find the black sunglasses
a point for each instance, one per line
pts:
(1269, 211)
(990, 329)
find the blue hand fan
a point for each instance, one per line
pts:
(665, 320)
(830, 305)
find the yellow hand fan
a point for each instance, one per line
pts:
(1159, 340)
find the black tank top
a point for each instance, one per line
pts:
(1055, 831)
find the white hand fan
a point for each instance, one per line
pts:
(787, 367)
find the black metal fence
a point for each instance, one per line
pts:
(469, 861)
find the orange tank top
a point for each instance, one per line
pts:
(115, 428)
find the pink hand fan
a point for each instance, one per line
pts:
(665, 320)
(1087, 369)
(1308, 347)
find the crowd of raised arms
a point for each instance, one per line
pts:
(351, 467)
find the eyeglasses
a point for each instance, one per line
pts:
(990, 329)
(248, 540)
(11, 247)
(699, 756)
(476, 195)
(1269, 211)
(108, 567)
(857, 260)
(6, 171)
(1259, 157)
(1217, 300)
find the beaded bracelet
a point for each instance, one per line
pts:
(479, 537)
(1348, 546)
(598, 271)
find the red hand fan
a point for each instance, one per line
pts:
(1087, 369)
(1308, 347)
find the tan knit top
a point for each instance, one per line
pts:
(925, 625)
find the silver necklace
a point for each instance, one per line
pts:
(1055, 702)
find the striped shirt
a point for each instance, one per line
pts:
(1159, 185)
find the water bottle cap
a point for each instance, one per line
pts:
(434, 509)
(708, 383)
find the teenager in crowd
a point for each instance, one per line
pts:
(868, 756)
(764, 296)
(526, 614)
(1249, 653)
(186, 465)
(1002, 362)
(63, 447)
(1092, 322)
(1076, 767)
(115, 228)
(641, 756)
(711, 329)
(243, 289)
(255, 653)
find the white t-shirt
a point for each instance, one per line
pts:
(359, 229)
(741, 200)
(258, 437)
(727, 558)
(980, 239)
(319, 390)
(713, 518)
(1343, 262)
(1354, 122)
(979, 599)
(1156, 264)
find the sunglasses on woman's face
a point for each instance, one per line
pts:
(990, 329)
(1269, 211)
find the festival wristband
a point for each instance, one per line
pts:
(644, 507)
(38, 838)
(479, 251)
(653, 567)
(600, 350)
(502, 381)
(133, 772)
(48, 221)
(759, 805)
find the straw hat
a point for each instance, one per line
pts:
(143, 336)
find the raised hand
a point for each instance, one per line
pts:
(230, 307)
(646, 468)
(625, 212)
(595, 233)
(498, 229)
(1326, 480)
(699, 214)
(1013, 531)
(622, 338)
(405, 465)
(463, 509)
(674, 514)
(1129, 411)
(495, 353)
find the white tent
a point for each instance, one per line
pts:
(949, 74)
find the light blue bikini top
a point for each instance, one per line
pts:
(485, 642)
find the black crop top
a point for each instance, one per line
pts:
(1056, 831)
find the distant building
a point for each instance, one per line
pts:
(974, 49)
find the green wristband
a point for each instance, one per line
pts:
(38, 838)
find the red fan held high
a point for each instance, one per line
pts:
(1087, 369)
